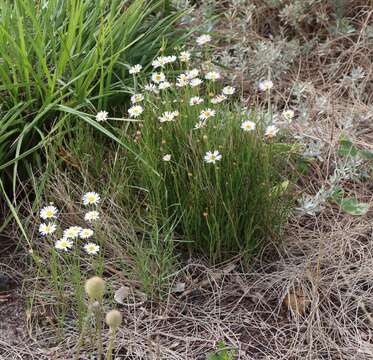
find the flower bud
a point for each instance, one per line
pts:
(95, 287)
(113, 319)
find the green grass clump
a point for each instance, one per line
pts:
(57, 56)
(222, 208)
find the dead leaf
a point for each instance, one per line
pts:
(121, 294)
(296, 301)
(135, 297)
(178, 287)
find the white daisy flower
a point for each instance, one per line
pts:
(91, 248)
(200, 125)
(182, 83)
(265, 85)
(164, 85)
(218, 99)
(212, 75)
(151, 88)
(271, 131)
(92, 216)
(91, 198)
(72, 232)
(135, 69)
(48, 212)
(137, 98)
(184, 56)
(158, 77)
(248, 126)
(229, 90)
(160, 61)
(63, 244)
(168, 116)
(203, 39)
(102, 116)
(183, 77)
(195, 100)
(166, 157)
(212, 157)
(170, 59)
(135, 111)
(47, 229)
(195, 82)
(85, 233)
(205, 114)
(288, 115)
(191, 74)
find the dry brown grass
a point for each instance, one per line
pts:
(311, 297)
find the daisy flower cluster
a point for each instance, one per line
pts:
(48, 227)
(208, 154)
(195, 81)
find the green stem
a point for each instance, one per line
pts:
(109, 353)
(99, 333)
(81, 336)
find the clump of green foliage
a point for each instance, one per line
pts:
(229, 205)
(57, 55)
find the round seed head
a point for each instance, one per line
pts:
(113, 319)
(95, 287)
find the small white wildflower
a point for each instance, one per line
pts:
(271, 131)
(218, 99)
(72, 232)
(63, 244)
(85, 233)
(102, 116)
(182, 83)
(160, 61)
(168, 116)
(135, 111)
(166, 157)
(91, 216)
(183, 77)
(203, 39)
(205, 114)
(151, 88)
(91, 248)
(47, 229)
(170, 59)
(229, 90)
(212, 75)
(137, 98)
(164, 85)
(48, 212)
(265, 85)
(184, 56)
(288, 115)
(91, 198)
(248, 125)
(195, 82)
(135, 69)
(212, 157)
(191, 74)
(195, 100)
(158, 77)
(200, 125)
